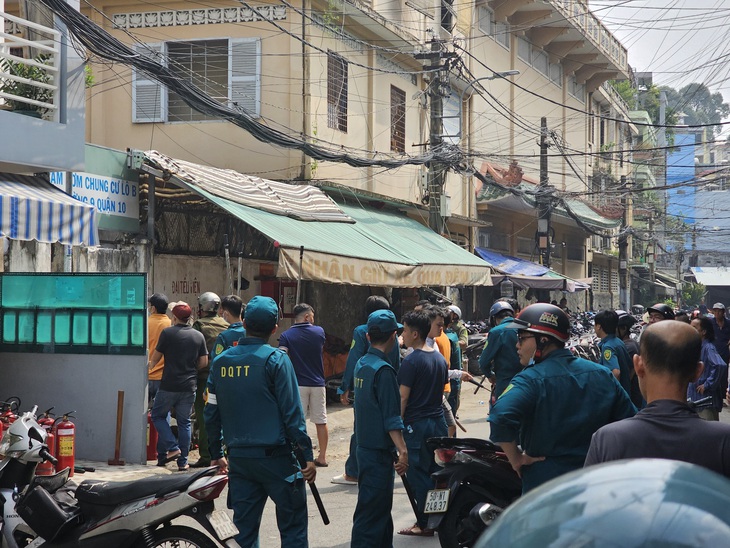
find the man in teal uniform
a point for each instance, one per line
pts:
(552, 408)
(379, 433)
(231, 310)
(614, 355)
(253, 398)
(358, 348)
(499, 360)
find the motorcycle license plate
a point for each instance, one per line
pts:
(222, 525)
(437, 501)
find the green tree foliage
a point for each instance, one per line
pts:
(692, 293)
(648, 100)
(698, 105)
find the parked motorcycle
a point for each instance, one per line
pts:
(474, 486)
(51, 511)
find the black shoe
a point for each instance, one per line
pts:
(201, 464)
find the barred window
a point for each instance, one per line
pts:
(397, 119)
(336, 92)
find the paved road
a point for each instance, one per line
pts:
(339, 500)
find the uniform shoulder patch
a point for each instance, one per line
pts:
(509, 387)
(219, 348)
(607, 354)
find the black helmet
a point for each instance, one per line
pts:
(663, 309)
(500, 307)
(625, 319)
(630, 503)
(545, 319)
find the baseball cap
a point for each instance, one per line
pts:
(262, 313)
(384, 321)
(719, 305)
(182, 311)
(455, 309)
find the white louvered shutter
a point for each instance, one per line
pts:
(148, 97)
(245, 75)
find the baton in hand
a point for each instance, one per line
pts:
(479, 384)
(409, 489)
(315, 492)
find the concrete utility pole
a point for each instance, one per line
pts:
(436, 170)
(623, 248)
(544, 198)
(438, 89)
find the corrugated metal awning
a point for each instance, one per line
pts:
(368, 247)
(303, 202)
(712, 276)
(31, 208)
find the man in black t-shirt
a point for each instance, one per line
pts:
(667, 428)
(422, 376)
(185, 353)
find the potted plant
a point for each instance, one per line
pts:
(28, 91)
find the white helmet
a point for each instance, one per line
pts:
(455, 309)
(209, 302)
(25, 439)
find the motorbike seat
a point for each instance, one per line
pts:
(111, 493)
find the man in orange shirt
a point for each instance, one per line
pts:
(156, 322)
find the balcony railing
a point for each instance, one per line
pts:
(29, 68)
(577, 11)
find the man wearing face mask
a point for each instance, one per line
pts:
(546, 416)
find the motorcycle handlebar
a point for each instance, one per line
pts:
(47, 456)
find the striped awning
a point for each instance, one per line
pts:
(33, 209)
(301, 202)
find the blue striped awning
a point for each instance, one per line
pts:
(33, 209)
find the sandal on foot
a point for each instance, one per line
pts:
(416, 531)
(319, 464)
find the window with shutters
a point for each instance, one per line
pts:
(397, 119)
(336, 92)
(226, 70)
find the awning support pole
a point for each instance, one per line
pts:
(299, 274)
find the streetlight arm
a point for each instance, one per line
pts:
(494, 76)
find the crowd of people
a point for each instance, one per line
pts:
(551, 412)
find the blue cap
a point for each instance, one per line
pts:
(261, 313)
(383, 321)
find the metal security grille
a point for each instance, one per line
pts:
(397, 119)
(336, 92)
(200, 230)
(203, 64)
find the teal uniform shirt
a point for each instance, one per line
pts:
(615, 356)
(253, 403)
(553, 408)
(358, 349)
(377, 401)
(499, 357)
(228, 338)
(455, 361)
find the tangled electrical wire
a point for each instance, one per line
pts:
(101, 43)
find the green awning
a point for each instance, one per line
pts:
(377, 249)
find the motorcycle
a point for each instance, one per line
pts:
(52, 511)
(474, 486)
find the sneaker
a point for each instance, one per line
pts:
(343, 479)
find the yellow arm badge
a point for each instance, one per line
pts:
(607, 354)
(352, 344)
(509, 387)
(218, 349)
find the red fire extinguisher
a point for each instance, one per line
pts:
(65, 432)
(46, 421)
(151, 438)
